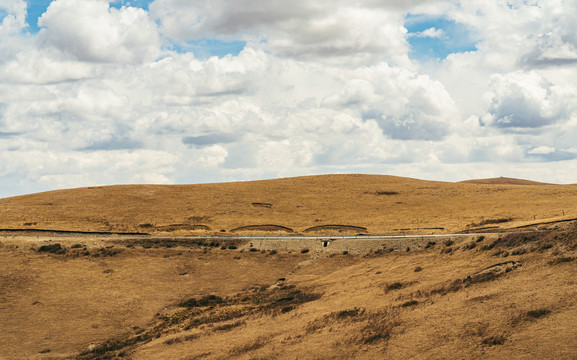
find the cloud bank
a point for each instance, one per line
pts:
(106, 93)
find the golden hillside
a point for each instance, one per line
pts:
(509, 297)
(380, 204)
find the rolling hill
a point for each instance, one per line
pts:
(502, 295)
(372, 204)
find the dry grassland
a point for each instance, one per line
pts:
(492, 297)
(379, 204)
(507, 297)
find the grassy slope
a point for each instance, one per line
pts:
(331, 307)
(382, 204)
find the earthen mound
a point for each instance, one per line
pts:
(339, 228)
(177, 227)
(263, 228)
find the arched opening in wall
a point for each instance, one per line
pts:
(325, 243)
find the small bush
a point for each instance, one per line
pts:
(494, 340)
(418, 269)
(430, 244)
(350, 313)
(562, 260)
(232, 247)
(252, 346)
(207, 300)
(378, 329)
(393, 286)
(388, 193)
(304, 251)
(536, 314)
(253, 250)
(480, 238)
(52, 249)
(272, 252)
(448, 242)
(518, 251)
(410, 303)
(227, 327)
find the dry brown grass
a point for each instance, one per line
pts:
(195, 301)
(500, 296)
(381, 204)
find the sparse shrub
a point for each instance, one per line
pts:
(498, 253)
(76, 246)
(52, 249)
(253, 250)
(260, 342)
(173, 340)
(345, 252)
(232, 247)
(562, 260)
(546, 247)
(350, 313)
(304, 251)
(227, 327)
(272, 252)
(378, 328)
(408, 249)
(387, 193)
(538, 313)
(430, 244)
(519, 252)
(418, 269)
(410, 303)
(452, 287)
(393, 286)
(207, 300)
(480, 238)
(449, 242)
(494, 340)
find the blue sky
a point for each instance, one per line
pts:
(220, 90)
(455, 38)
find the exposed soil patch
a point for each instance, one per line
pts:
(262, 228)
(339, 228)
